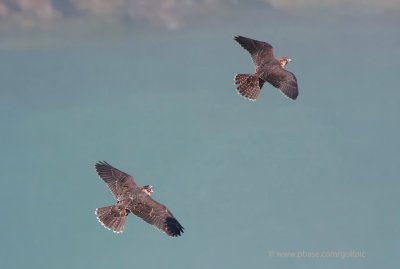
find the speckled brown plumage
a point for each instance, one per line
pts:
(132, 199)
(267, 69)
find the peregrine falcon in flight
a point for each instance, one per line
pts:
(132, 199)
(268, 68)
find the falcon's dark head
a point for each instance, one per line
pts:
(148, 189)
(283, 61)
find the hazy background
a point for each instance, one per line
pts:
(148, 87)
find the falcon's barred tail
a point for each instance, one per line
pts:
(112, 217)
(248, 86)
(240, 78)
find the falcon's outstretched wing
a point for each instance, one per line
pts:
(157, 215)
(260, 51)
(118, 182)
(282, 79)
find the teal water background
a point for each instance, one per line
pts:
(245, 179)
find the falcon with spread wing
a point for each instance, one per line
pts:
(132, 199)
(268, 68)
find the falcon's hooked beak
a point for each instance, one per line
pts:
(148, 189)
(283, 61)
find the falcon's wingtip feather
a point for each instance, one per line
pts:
(174, 228)
(101, 163)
